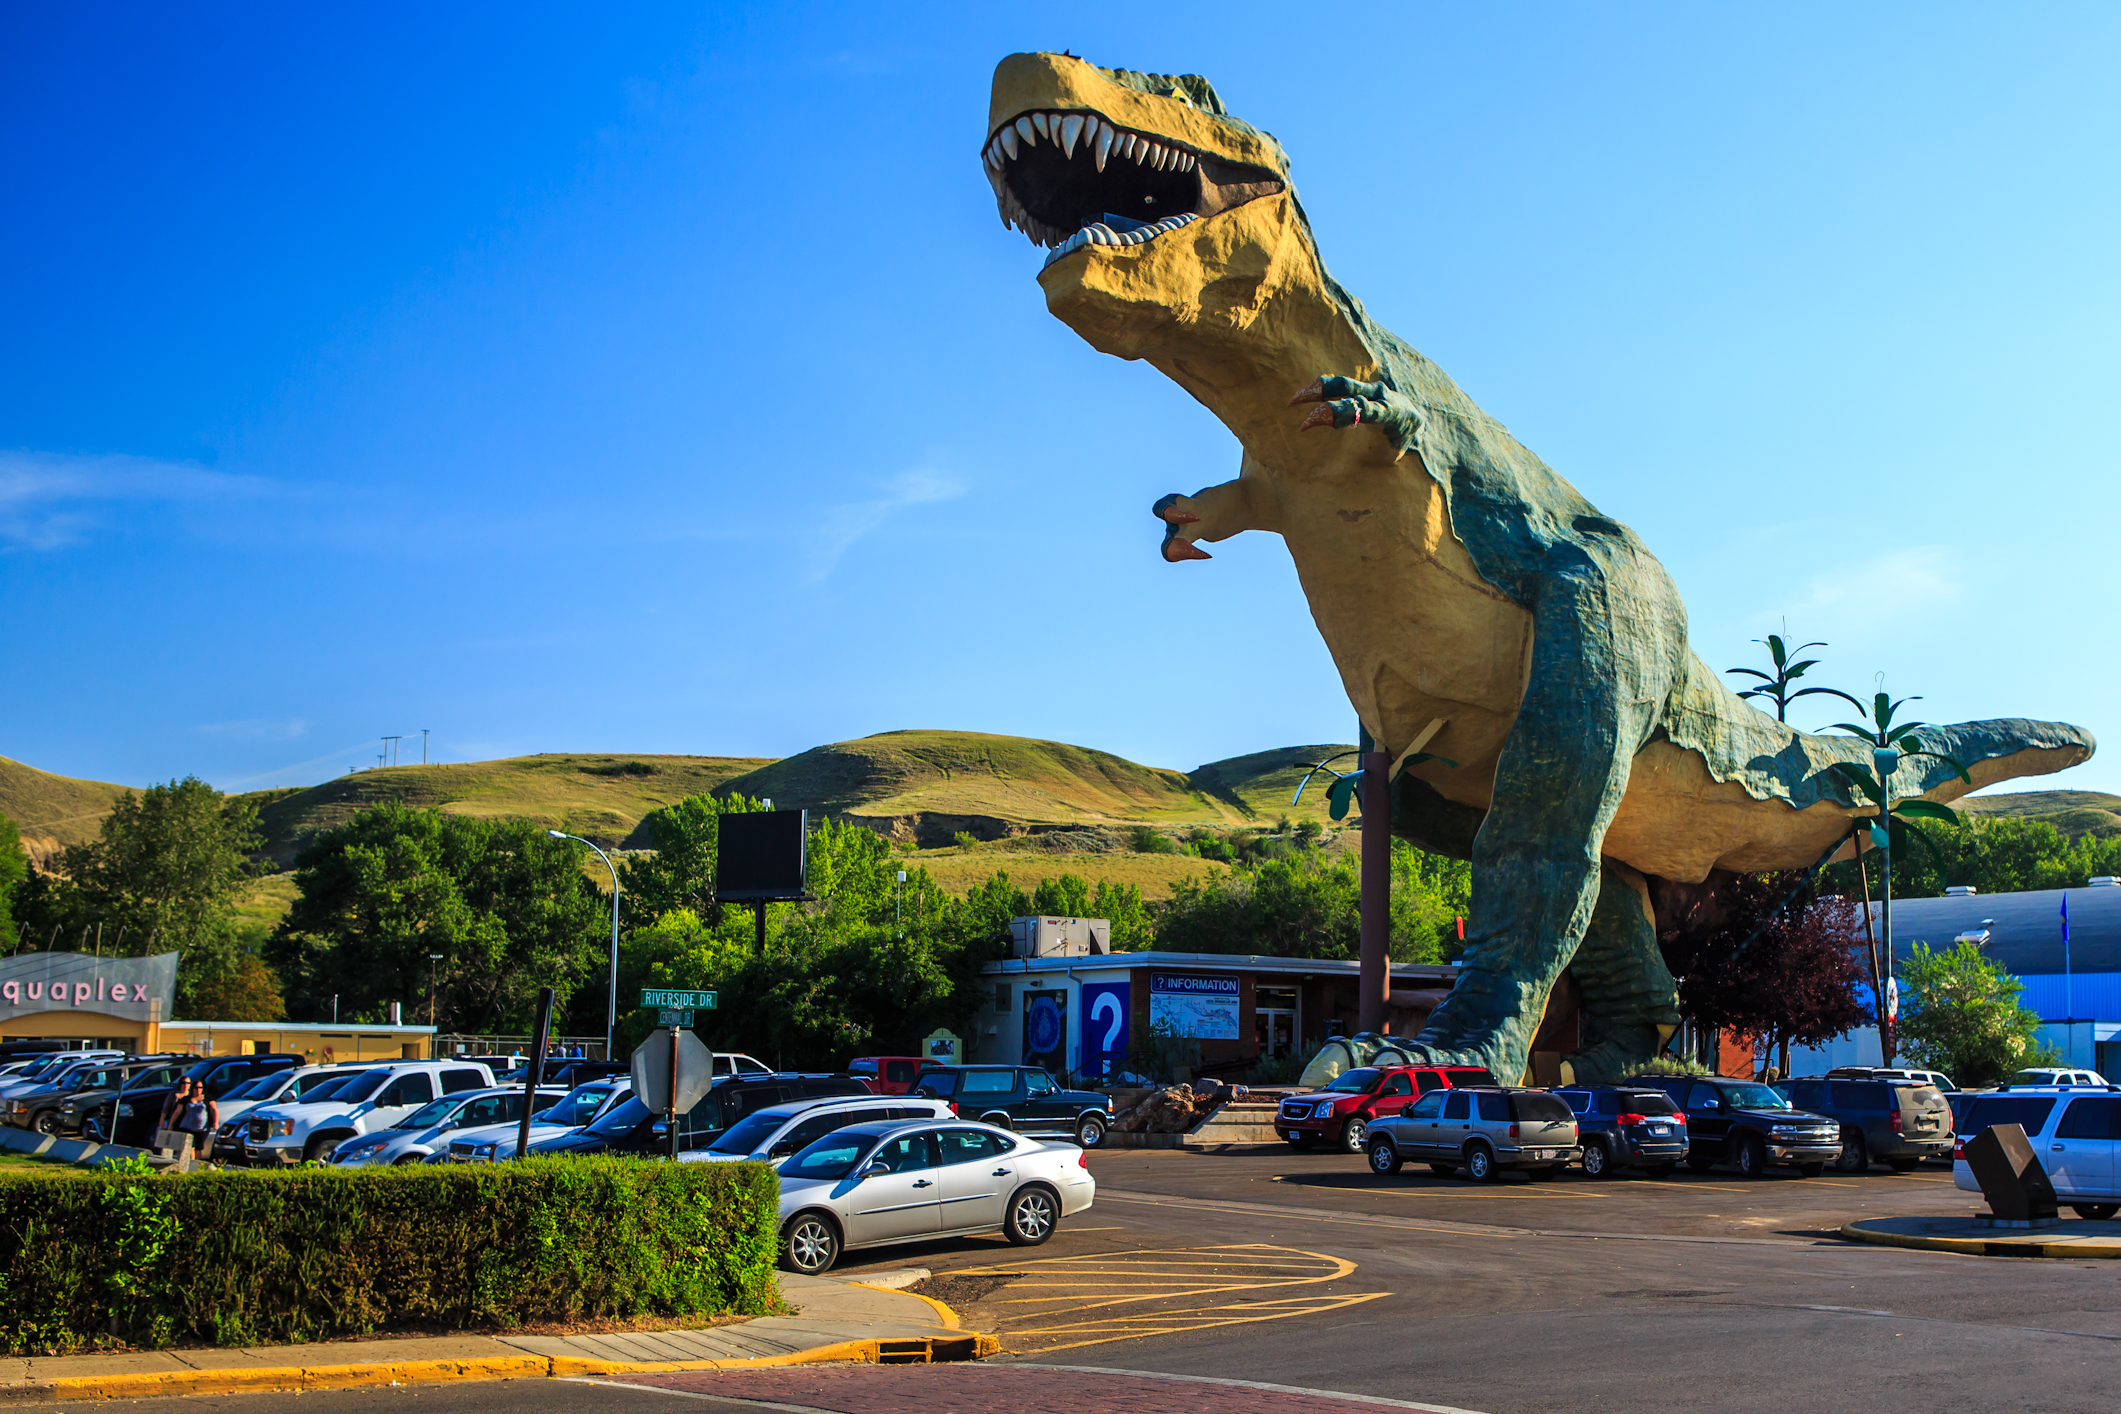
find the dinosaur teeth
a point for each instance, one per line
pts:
(1028, 133)
(1098, 139)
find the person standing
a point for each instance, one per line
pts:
(173, 1107)
(198, 1119)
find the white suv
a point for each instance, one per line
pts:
(2046, 1077)
(377, 1098)
(777, 1131)
(2075, 1132)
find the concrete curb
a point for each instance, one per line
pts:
(927, 1350)
(2095, 1248)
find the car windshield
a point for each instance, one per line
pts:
(747, 1133)
(433, 1112)
(2036, 1077)
(830, 1157)
(622, 1118)
(1354, 1082)
(252, 1089)
(358, 1087)
(1753, 1097)
(320, 1086)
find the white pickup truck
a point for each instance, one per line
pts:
(375, 1099)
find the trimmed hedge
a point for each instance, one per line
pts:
(303, 1254)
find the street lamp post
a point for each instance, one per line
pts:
(611, 1010)
(433, 960)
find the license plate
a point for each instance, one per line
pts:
(1660, 1129)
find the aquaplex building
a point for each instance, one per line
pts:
(1065, 1001)
(124, 1003)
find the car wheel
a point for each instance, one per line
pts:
(1090, 1131)
(319, 1150)
(1751, 1157)
(45, 1122)
(2097, 1212)
(1384, 1156)
(1810, 1170)
(402, 1160)
(1598, 1161)
(1480, 1164)
(1353, 1133)
(999, 1121)
(1855, 1155)
(810, 1244)
(1033, 1214)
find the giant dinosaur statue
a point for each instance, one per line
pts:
(1522, 657)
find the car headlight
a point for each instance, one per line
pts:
(484, 1151)
(281, 1127)
(1324, 1110)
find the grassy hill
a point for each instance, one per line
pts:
(2074, 812)
(927, 786)
(52, 811)
(598, 797)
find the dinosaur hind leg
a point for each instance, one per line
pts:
(1630, 1003)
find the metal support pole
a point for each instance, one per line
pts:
(611, 1002)
(670, 1106)
(1376, 984)
(535, 1071)
(759, 907)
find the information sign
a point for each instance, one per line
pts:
(667, 997)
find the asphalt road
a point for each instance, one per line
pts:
(1303, 1272)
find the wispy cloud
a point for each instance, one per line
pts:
(49, 501)
(844, 524)
(1919, 576)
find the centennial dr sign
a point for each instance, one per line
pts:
(135, 988)
(699, 1001)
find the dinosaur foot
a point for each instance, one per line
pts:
(1174, 511)
(1347, 402)
(1421, 1054)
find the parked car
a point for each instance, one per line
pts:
(137, 1111)
(1898, 1123)
(273, 1087)
(871, 1185)
(426, 1131)
(2043, 1077)
(776, 1132)
(887, 1075)
(53, 1067)
(1343, 1110)
(579, 1106)
(631, 1127)
(376, 1098)
(55, 1107)
(1485, 1131)
(1626, 1126)
(1748, 1124)
(2075, 1136)
(1022, 1098)
(1937, 1078)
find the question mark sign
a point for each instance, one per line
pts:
(1105, 1002)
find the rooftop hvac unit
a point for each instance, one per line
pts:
(1059, 937)
(1960, 891)
(2104, 881)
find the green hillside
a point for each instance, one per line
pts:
(1264, 781)
(599, 797)
(2074, 812)
(51, 811)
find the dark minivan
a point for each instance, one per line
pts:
(630, 1127)
(1898, 1123)
(1626, 1126)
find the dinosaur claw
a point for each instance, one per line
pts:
(1313, 392)
(1169, 511)
(1177, 547)
(1321, 416)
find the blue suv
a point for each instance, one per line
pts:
(1626, 1126)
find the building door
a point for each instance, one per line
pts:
(1274, 1029)
(1046, 1030)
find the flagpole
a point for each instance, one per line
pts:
(2069, 1000)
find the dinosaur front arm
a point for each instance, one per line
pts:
(1213, 513)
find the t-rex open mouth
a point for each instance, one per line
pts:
(1074, 179)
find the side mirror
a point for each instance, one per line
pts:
(876, 1168)
(659, 1129)
(780, 1151)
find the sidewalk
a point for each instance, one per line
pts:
(836, 1320)
(2070, 1237)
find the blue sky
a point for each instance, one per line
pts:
(662, 380)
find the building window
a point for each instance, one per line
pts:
(1001, 997)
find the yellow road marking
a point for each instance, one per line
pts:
(1141, 1332)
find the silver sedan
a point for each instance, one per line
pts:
(872, 1185)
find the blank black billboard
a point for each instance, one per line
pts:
(761, 855)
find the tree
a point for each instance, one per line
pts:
(246, 990)
(1959, 1013)
(14, 869)
(509, 908)
(1790, 977)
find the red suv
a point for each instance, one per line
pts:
(886, 1075)
(1341, 1112)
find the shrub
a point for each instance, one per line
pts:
(307, 1254)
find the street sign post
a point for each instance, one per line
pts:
(669, 997)
(673, 1065)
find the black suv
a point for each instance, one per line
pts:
(1898, 1123)
(1626, 1126)
(1024, 1098)
(1746, 1123)
(139, 1110)
(630, 1127)
(56, 1108)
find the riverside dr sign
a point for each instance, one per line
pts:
(135, 988)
